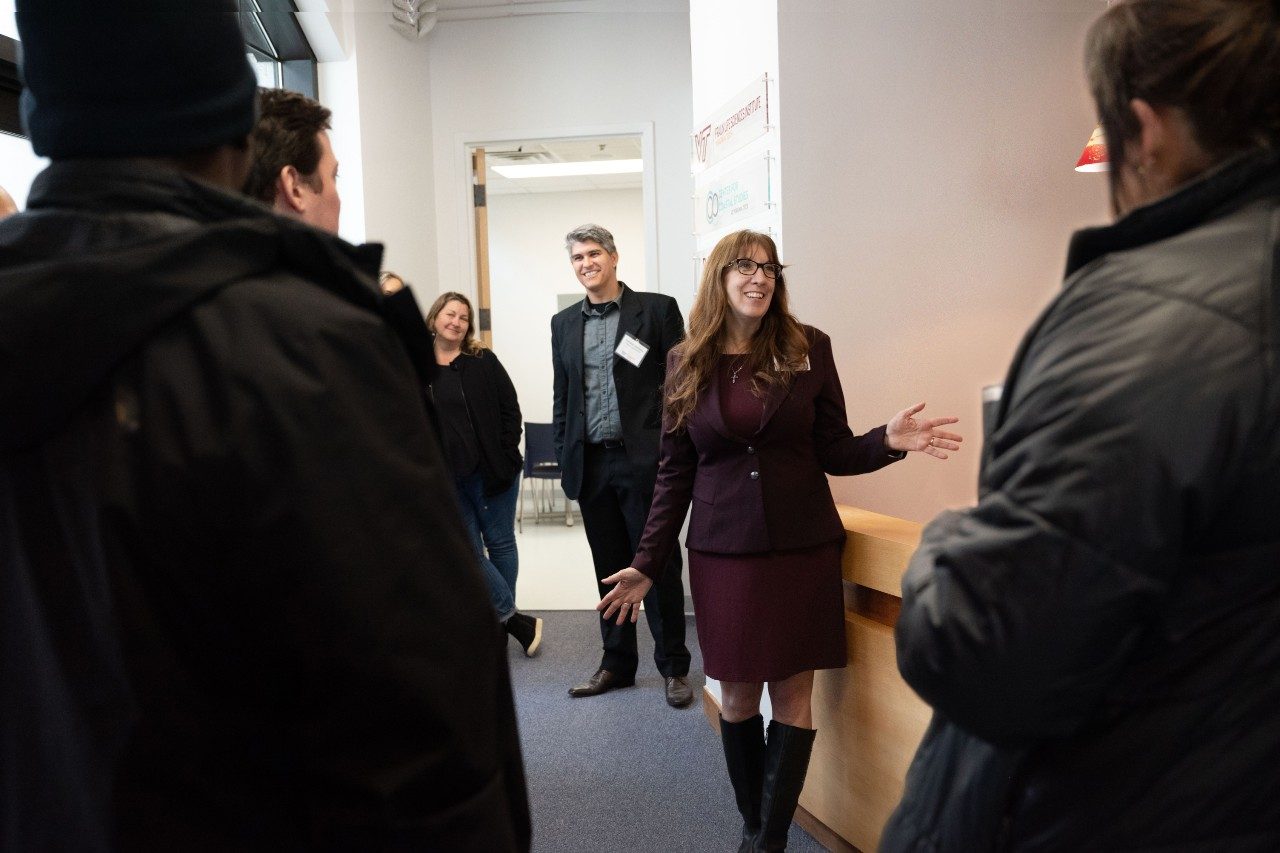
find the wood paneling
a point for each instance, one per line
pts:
(869, 721)
(877, 549)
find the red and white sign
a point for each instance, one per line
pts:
(743, 119)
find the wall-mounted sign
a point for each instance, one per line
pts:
(741, 120)
(733, 195)
(704, 243)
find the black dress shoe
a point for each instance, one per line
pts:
(601, 682)
(679, 693)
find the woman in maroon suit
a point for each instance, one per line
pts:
(754, 421)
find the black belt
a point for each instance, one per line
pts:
(607, 444)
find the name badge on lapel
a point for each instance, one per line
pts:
(801, 369)
(632, 349)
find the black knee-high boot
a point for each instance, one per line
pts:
(744, 756)
(786, 762)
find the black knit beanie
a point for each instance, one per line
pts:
(133, 77)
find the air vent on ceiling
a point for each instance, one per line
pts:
(523, 154)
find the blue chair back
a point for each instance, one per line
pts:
(540, 451)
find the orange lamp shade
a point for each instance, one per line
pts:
(1094, 156)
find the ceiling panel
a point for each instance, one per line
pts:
(562, 151)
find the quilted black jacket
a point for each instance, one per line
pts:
(1100, 636)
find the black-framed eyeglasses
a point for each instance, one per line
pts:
(746, 266)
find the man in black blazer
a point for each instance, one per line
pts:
(609, 354)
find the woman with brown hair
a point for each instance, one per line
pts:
(754, 421)
(480, 426)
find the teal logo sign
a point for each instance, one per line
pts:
(728, 201)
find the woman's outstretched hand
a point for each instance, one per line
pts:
(625, 597)
(907, 432)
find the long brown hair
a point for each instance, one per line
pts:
(778, 348)
(471, 345)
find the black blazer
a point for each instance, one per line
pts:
(653, 319)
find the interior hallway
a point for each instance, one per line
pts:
(622, 771)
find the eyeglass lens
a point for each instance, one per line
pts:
(746, 266)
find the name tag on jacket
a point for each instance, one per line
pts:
(801, 369)
(632, 349)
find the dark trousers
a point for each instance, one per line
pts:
(615, 505)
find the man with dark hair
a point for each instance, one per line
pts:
(235, 615)
(609, 359)
(294, 169)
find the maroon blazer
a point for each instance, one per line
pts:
(762, 492)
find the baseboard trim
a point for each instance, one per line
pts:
(821, 833)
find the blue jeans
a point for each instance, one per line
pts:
(491, 524)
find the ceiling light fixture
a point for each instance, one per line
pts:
(565, 170)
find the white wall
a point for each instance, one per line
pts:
(381, 100)
(536, 76)
(339, 90)
(18, 164)
(929, 198)
(732, 42)
(528, 267)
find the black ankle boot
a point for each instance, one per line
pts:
(527, 630)
(786, 761)
(744, 756)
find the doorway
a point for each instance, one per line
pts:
(521, 265)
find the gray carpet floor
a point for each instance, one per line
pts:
(623, 771)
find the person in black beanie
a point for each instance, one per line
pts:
(233, 615)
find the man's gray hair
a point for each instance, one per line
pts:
(590, 233)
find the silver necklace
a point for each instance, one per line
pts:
(733, 374)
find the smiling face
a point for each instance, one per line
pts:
(749, 296)
(452, 322)
(596, 269)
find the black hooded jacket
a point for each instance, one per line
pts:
(1100, 636)
(239, 609)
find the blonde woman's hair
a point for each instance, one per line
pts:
(471, 345)
(777, 350)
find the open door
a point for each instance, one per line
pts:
(481, 210)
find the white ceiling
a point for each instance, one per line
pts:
(469, 10)
(561, 151)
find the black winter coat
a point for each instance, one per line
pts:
(495, 417)
(238, 610)
(1100, 635)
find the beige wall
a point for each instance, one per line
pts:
(929, 197)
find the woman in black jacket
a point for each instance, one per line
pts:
(480, 427)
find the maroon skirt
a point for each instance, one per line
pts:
(766, 617)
